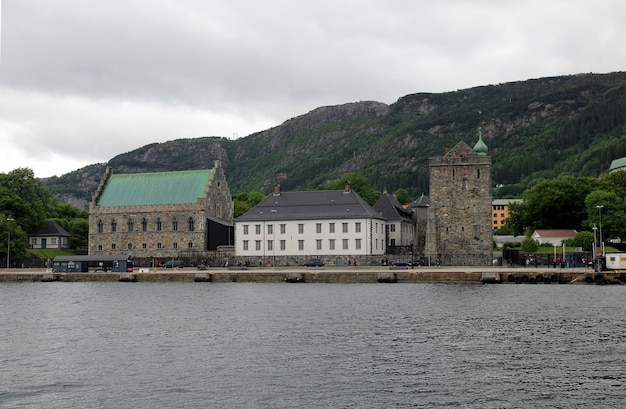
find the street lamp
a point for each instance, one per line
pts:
(595, 249)
(428, 231)
(599, 207)
(9, 219)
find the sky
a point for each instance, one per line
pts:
(82, 81)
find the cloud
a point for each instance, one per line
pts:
(85, 80)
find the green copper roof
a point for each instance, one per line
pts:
(155, 188)
(481, 147)
(618, 163)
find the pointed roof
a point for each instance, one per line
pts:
(422, 201)
(51, 228)
(481, 147)
(390, 208)
(157, 188)
(310, 205)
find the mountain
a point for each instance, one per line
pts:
(539, 128)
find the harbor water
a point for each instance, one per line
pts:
(253, 345)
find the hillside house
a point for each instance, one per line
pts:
(50, 236)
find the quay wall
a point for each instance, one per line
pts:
(223, 275)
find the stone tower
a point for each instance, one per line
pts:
(460, 208)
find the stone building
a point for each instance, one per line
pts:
(161, 216)
(460, 208)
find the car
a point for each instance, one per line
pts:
(402, 263)
(174, 264)
(314, 262)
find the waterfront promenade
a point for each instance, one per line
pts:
(359, 274)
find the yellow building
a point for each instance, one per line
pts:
(500, 211)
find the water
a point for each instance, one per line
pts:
(197, 345)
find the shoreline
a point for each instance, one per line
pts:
(366, 274)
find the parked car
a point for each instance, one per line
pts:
(616, 240)
(402, 263)
(314, 262)
(174, 264)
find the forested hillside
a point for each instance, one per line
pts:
(540, 128)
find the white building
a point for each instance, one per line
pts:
(330, 224)
(400, 226)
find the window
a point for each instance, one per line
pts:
(300, 244)
(318, 228)
(392, 227)
(144, 224)
(144, 246)
(392, 242)
(345, 244)
(344, 227)
(331, 244)
(113, 246)
(270, 245)
(358, 244)
(159, 226)
(245, 245)
(100, 226)
(357, 227)
(190, 245)
(257, 245)
(283, 244)
(257, 229)
(300, 228)
(175, 245)
(130, 225)
(318, 244)
(270, 229)
(100, 247)
(283, 228)
(190, 222)
(130, 246)
(113, 226)
(159, 245)
(175, 224)
(331, 227)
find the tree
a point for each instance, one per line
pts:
(244, 201)
(358, 183)
(583, 239)
(530, 245)
(403, 196)
(24, 198)
(609, 206)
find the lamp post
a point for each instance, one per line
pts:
(428, 231)
(595, 248)
(599, 207)
(9, 219)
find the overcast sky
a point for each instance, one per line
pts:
(84, 80)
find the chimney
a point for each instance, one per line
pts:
(346, 187)
(217, 163)
(276, 189)
(446, 150)
(384, 191)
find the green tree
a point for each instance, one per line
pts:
(24, 198)
(529, 245)
(583, 239)
(359, 184)
(606, 210)
(403, 196)
(79, 233)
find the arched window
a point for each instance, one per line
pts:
(191, 224)
(159, 225)
(130, 225)
(100, 226)
(174, 224)
(113, 225)
(144, 224)
(190, 245)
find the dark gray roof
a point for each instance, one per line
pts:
(391, 209)
(422, 201)
(51, 228)
(311, 205)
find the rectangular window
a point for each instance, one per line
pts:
(283, 228)
(345, 244)
(300, 228)
(300, 244)
(245, 229)
(245, 245)
(270, 229)
(344, 227)
(357, 227)
(392, 227)
(318, 228)
(331, 244)
(331, 227)
(270, 245)
(318, 244)
(257, 229)
(283, 244)
(358, 244)
(257, 245)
